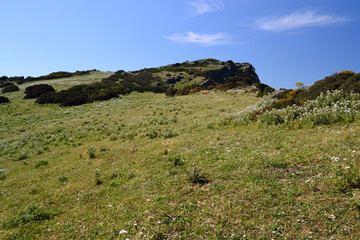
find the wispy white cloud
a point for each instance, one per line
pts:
(299, 19)
(202, 39)
(200, 7)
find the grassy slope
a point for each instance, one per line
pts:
(264, 182)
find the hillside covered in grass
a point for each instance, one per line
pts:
(206, 165)
(146, 166)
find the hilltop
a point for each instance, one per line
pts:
(193, 76)
(173, 79)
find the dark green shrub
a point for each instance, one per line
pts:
(81, 94)
(53, 97)
(263, 89)
(6, 84)
(170, 92)
(4, 99)
(18, 80)
(345, 80)
(11, 88)
(36, 90)
(54, 75)
(282, 94)
(4, 79)
(75, 101)
(31, 213)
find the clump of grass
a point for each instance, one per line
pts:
(98, 180)
(169, 134)
(41, 163)
(21, 157)
(346, 174)
(130, 176)
(278, 164)
(159, 236)
(196, 176)
(103, 149)
(113, 138)
(91, 151)
(34, 191)
(129, 135)
(2, 174)
(63, 179)
(152, 134)
(177, 160)
(31, 213)
(113, 184)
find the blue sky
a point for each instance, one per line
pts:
(286, 41)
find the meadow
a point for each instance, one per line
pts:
(144, 166)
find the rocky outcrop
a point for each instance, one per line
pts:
(241, 71)
(173, 79)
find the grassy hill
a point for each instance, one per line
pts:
(145, 166)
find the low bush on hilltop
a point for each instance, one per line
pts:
(82, 94)
(4, 99)
(346, 80)
(6, 84)
(263, 89)
(10, 88)
(36, 90)
(54, 75)
(107, 89)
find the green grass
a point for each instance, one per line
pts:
(131, 164)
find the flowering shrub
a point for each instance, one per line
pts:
(327, 108)
(246, 115)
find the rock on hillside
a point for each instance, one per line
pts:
(203, 73)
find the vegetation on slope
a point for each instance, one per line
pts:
(333, 99)
(35, 91)
(146, 166)
(54, 75)
(9, 87)
(175, 79)
(4, 99)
